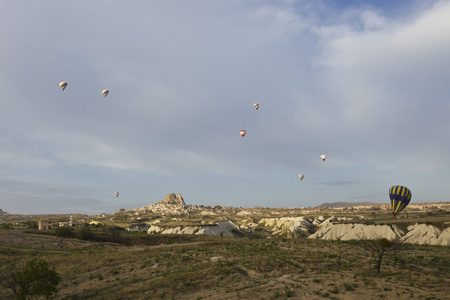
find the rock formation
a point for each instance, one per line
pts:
(225, 228)
(171, 199)
(427, 234)
(416, 234)
(173, 216)
(291, 227)
(346, 232)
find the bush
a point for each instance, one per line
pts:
(6, 226)
(86, 233)
(35, 280)
(64, 232)
(379, 248)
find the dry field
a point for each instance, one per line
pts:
(208, 267)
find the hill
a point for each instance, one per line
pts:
(348, 204)
(219, 267)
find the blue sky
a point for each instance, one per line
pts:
(364, 82)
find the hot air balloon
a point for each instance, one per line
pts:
(323, 157)
(242, 133)
(300, 176)
(400, 197)
(105, 93)
(256, 106)
(117, 194)
(63, 85)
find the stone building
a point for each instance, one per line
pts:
(45, 225)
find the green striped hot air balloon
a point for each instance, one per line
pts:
(400, 197)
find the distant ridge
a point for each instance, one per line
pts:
(349, 204)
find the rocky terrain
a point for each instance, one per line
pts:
(330, 222)
(422, 223)
(216, 252)
(174, 204)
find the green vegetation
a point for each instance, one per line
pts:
(144, 266)
(35, 280)
(64, 232)
(380, 248)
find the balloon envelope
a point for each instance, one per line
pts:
(117, 194)
(400, 197)
(105, 93)
(323, 157)
(256, 106)
(242, 133)
(300, 176)
(63, 85)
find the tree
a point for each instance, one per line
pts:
(64, 232)
(379, 248)
(112, 234)
(35, 280)
(86, 233)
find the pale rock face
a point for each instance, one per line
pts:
(208, 213)
(173, 200)
(317, 222)
(189, 230)
(224, 228)
(172, 230)
(345, 232)
(444, 238)
(154, 229)
(422, 234)
(289, 226)
(324, 222)
(243, 213)
(417, 234)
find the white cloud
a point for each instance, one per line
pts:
(367, 89)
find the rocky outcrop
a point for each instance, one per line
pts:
(171, 199)
(345, 232)
(416, 234)
(291, 227)
(444, 238)
(171, 205)
(223, 228)
(427, 234)
(175, 205)
(2, 213)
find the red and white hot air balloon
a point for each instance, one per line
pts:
(323, 157)
(242, 133)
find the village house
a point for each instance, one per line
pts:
(45, 225)
(71, 223)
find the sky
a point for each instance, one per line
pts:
(364, 82)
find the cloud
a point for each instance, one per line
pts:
(339, 182)
(363, 83)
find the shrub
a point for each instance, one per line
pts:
(379, 248)
(86, 233)
(35, 280)
(348, 287)
(64, 232)
(5, 226)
